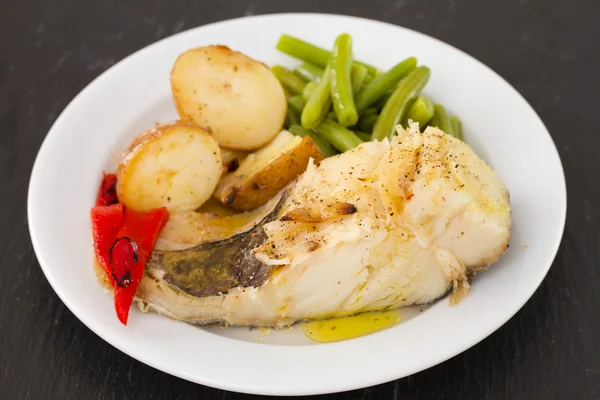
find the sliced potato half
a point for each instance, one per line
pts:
(232, 159)
(265, 172)
(238, 99)
(176, 166)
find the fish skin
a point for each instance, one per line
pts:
(213, 268)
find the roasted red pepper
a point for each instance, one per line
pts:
(106, 221)
(123, 241)
(131, 248)
(107, 195)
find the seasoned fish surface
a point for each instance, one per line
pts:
(386, 225)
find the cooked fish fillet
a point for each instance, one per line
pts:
(385, 225)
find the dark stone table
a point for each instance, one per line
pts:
(548, 49)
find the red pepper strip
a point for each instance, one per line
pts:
(106, 221)
(107, 194)
(131, 248)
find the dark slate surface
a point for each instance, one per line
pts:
(548, 49)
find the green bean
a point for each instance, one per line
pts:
(326, 148)
(384, 82)
(456, 127)
(435, 121)
(367, 123)
(309, 89)
(397, 105)
(310, 72)
(442, 120)
(318, 104)
(288, 79)
(368, 79)
(296, 102)
(358, 73)
(342, 95)
(420, 111)
(364, 136)
(340, 137)
(292, 117)
(368, 111)
(371, 69)
(305, 51)
(381, 102)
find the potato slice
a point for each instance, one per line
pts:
(234, 97)
(232, 159)
(265, 172)
(177, 166)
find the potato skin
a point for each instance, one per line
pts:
(176, 166)
(238, 99)
(231, 159)
(245, 193)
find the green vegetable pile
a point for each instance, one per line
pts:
(340, 102)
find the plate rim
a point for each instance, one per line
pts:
(382, 378)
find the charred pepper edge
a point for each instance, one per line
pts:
(125, 280)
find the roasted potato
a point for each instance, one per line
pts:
(232, 159)
(177, 166)
(265, 172)
(234, 97)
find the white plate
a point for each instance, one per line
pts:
(134, 94)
